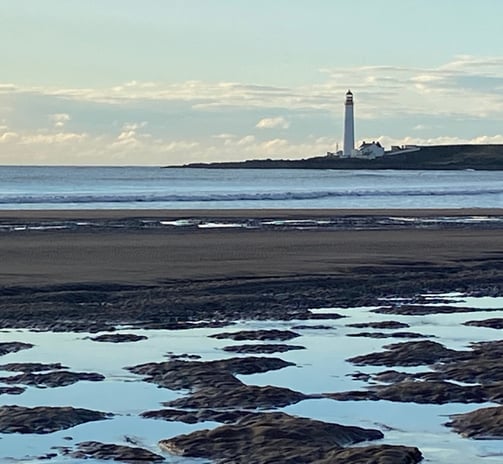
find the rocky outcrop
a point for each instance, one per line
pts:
(267, 438)
(262, 348)
(13, 347)
(214, 385)
(380, 325)
(410, 354)
(198, 415)
(388, 335)
(112, 452)
(31, 367)
(383, 454)
(494, 323)
(262, 335)
(481, 424)
(118, 338)
(418, 392)
(52, 379)
(44, 419)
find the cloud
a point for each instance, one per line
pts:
(273, 123)
(59, 119)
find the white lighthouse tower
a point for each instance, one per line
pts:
(349, 126)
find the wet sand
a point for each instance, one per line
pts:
(228, 272)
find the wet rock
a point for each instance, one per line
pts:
(13, 347)
(481, 424)
(214, 385)
(383, 454)
(410, 354)
(119, 338)
(322, 316)
(173, 356)
(495, 323)
(379, 325)
(239, 396)
(44, 419)
(112, 452)
(200, 415)
(417, 392)
(312, 327)
(30, 367)
(262, 348)
(262, 335)
(52, 379)
(181, 374)
(388, 335)
(420, 310)
(11, 390)
(267, 438)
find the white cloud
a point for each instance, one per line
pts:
(59, 119)
(273, 123)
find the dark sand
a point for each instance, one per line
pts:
(226, 273)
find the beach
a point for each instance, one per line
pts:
(134, 321)
(282, 263)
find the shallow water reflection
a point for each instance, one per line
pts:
(320, 368)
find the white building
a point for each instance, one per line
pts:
(369, 150)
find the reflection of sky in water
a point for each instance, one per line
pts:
(320, 368)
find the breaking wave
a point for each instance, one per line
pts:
(81, 199)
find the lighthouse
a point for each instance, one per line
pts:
(349, 126)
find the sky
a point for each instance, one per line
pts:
(158, 82)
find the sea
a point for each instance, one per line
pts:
(58, 187)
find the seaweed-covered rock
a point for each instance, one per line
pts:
(388, 335)
(481, 424)
(494, 323)
(31, 367)
(267, 438)
(379, 325)
(417, 392)
(118, 338)
(112, 452)
(410, 354)
(262, 335)
(262, 348)
(45, 419)
(13, 347)
(198, 415)
(52, 379)
(383, 454)
(239, 396)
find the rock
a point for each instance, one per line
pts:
(262, 348)
(495, 323)
(420, 310)
(44, 419)
(199, 415)
(118, 338)
(388, 335)
(11, 390)
(481, 424)
(383, 454)
(379, 325)
(13, 347)
(112, 452)
(262, 335)
(268, 438)
(409, 354)
(418, 392)
(181, 374)
(31, 367)
(52, 379)
(312, 327)
(239, 396)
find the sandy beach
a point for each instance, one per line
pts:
(219, 271)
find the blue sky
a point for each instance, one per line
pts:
(175, 81)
